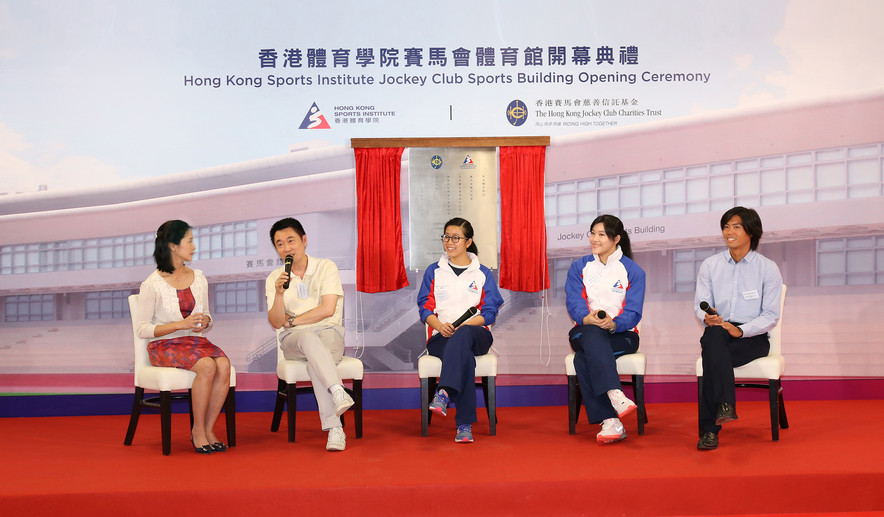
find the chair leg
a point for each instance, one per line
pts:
(573, 408)
(774, 409)
(699, 401)
(190, 406)
(638, 387)
(280, 402)
(292, 400)
(432, 386)
(578, 396)
(357, 406)
(166, 421)
(491, 402)
(230, 416)
(136, 412)
(784, 422)
(484, 382)
(425, 404)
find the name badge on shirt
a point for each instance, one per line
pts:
(302, 291)
(750, 295)
(593, 279)
(441, 293)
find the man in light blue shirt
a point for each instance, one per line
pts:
(742, 288)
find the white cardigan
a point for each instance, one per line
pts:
(158, 305)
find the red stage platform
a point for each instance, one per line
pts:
(828, 462)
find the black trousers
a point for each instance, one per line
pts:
(721, 354)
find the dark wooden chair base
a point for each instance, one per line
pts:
(289, 393)
(575, 400)
(774, 389)
(489, 392)
(163, 402)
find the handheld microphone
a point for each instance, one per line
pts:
(602, 315)
(704, 306)
(465, 316)
(288, 270)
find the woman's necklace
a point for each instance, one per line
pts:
(179, 274)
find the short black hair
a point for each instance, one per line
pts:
(282, 224)
(751, 223)
(170, 232)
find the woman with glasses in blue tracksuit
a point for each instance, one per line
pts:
(449, 288)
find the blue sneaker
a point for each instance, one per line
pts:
(464, 434)
(440, 403)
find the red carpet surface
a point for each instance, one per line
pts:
(828, 462)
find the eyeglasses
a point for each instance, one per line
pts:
(453, 238)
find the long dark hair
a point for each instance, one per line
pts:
(170, 232)
(751, 223)
(467, 228)
(613, 228)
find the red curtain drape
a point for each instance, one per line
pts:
(380, 265)
(522, 220)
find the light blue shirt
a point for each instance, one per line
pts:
(746, 292)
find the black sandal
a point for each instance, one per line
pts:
(219, 447)
(204, 449)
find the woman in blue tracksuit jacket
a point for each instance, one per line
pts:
(450, 287)
(609, 281)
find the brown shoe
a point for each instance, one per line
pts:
(725, 413)
(708, 441)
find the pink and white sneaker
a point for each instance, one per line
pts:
(612, 431)
(622, 405)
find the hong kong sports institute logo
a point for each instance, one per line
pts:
(517, 112)
(314, 119)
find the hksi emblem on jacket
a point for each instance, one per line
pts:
(618, 287)
(473, 288)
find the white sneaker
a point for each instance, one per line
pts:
(337, 440)
(612, 431)
(342, 401)
(622, 405)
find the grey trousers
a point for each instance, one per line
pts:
(323, 348)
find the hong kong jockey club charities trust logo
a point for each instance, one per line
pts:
(436, 161)
(314, 119)
(517, 113)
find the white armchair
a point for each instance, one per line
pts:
(634, 365)
(290, 372)
(770, 368)
(429, 368)
(166, 380)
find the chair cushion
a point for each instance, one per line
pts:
(431, 366)
(630, 364)
(771, 367)
(162, 378)
(295, 370)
